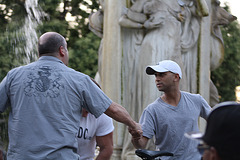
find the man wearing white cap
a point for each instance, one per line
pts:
(171, 115)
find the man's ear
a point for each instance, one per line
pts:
(62, 51)
(176, 77)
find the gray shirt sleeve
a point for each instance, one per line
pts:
(95, 100)
(206, 109)
(4, 102)
(147, 124)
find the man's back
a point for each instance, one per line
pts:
(46, 98)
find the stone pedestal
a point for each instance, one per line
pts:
(111, 65)
(204, 61)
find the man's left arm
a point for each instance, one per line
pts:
(206, 109)
(105, 144)
(5, 101)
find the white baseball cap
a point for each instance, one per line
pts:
(165, 66)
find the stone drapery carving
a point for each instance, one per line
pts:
(163, 32)
(219, 17)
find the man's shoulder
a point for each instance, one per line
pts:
(17, 71)
(76, 73)
(154, 104)
(188, 94)
(191, 97)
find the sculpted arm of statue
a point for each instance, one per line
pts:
(202, 8)
(132, 19)
(120, 114)
(151, 23)
(124, 21)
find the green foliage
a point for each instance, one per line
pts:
(55, 19)
(82, 43)
(83, 54)
(5, 59)
(3, 128)
(227, 76)
(10, 22)
(79, 10)
(12, 15)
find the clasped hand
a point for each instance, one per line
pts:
(136, 132)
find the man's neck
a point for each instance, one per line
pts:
(171, 98)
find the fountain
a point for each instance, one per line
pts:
(27, 34)
(32, 20)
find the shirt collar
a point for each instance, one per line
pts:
(50, 58)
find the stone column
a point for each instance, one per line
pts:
(111, 64)
(204, 60)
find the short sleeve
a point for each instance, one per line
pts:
(95, 100)
(4, 95)
(105, 125)
(147, 124)
(205, 109)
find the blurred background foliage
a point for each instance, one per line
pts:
(70, 18)
(227, 76)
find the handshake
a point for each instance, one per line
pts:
(136, 131)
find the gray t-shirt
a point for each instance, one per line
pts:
(168, 124)
(46, 98)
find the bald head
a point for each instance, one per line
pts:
(49, 43)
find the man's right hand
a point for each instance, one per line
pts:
(136, 132)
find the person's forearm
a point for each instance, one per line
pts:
(104, 154)
(120, 114)
(105, 144)
(139, 143)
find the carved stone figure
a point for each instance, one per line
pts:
(192, 14)
(219, 17)
(133, 33)
(96, 26)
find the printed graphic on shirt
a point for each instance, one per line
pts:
(83, 133)
(43, 81)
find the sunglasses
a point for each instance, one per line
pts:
(202, 147)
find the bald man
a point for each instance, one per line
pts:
(46, 98)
